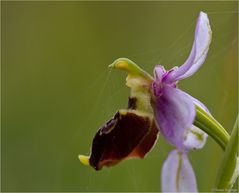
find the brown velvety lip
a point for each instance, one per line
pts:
(124, 136)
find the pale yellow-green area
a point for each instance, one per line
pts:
(84, 159)
(138, 81)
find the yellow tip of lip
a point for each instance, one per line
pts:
(85, 160)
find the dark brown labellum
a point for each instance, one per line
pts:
(125, 135)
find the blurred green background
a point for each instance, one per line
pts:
(57, 90)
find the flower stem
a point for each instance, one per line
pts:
(228, 171)
(208, 124)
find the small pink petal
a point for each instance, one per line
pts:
(195, 138)
(199, 50)
(159, 71)
(177, 174)
(174, 113)
(200, 104)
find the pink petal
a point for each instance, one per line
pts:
(200, 104)
(195, 138)
(198, 53)
(177, 174)
(159, 71)
(174, 113)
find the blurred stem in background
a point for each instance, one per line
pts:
(228, 171)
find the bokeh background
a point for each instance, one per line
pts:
(57, 90)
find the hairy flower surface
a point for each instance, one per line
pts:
(157, 105)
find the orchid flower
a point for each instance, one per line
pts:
(156, 106)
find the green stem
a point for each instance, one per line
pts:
(208, 124)
(228, 172)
